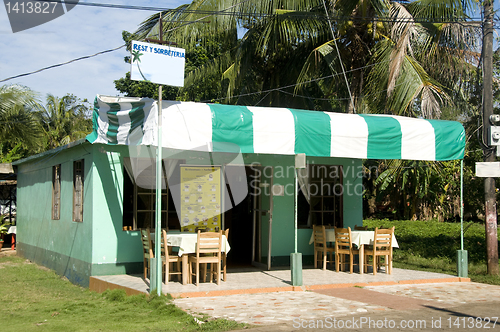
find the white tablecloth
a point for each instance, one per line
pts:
(187, 242)
(12, 230)
(358, 237)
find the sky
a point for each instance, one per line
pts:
(82, 31)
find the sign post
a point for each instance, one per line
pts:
(158, 202)
(162, 65)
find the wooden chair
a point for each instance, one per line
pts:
(360, 228)
(382, 246)
(208, 250)
(147, 249)
(212, 266)
(169, 258)
(344, 246)
(320, 246)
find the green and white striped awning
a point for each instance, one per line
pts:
(189, 126)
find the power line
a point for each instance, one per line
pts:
(340, 58)
(224, 11)
(255, 14)
(98, 53)
(295, 84)
(62, 64)
(329, 99)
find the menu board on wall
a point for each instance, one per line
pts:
(200, 198)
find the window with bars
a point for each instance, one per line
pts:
(325, 189)
(139, 196)
(326, 193)
(56, 192)
(78, 179)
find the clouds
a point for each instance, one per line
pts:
(82, 31)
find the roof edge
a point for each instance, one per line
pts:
(49, 152)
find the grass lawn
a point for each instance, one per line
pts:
(36, 299)
(432, 246)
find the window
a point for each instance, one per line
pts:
(78, 179)
(145, 200)
(139, 195)
(325, 188)
(56, 192)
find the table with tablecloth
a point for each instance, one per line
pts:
(186, 242)
(359, 238)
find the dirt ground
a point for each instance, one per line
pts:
(7, 251)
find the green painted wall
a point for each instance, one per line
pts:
(110, 242)
(114, 251)
(63, 245)
(283, 216)
(99, 246)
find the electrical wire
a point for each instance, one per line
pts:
(106, 51)
(185, 11)
(62, 64)
(329, 99)
(206, 16)
(295, 84)
(340, 58)
(254, 14)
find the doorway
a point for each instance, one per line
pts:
(239, 219)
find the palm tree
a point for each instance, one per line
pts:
(64, 120)
(407, 183)
(377, 56)
(422, 64)
(19, 128)
(376, 51)
(255, 62)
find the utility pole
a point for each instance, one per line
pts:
(489, 152)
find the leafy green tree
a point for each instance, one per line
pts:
(144, 89)
(393, 64)
(392, 57)
(20, 132)
(65, 120)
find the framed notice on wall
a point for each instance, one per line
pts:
(200, 198)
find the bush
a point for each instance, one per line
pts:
(433, 239)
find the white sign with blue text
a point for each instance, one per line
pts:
(157, 64)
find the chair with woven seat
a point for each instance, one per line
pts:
(208, 251)
(169, 258)
(344, 246)
(382, 246)
(321, 250)
(147, 249)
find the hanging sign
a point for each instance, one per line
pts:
(157, 64)
(200, 198)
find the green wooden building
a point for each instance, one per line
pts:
(79, 206)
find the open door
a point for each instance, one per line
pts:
(248, 215)
(262, 219)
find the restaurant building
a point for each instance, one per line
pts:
(79, 206)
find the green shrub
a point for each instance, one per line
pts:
(433, 245)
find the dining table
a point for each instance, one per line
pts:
(360, 239)
(186, 244)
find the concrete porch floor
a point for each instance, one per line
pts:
(252, 280)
